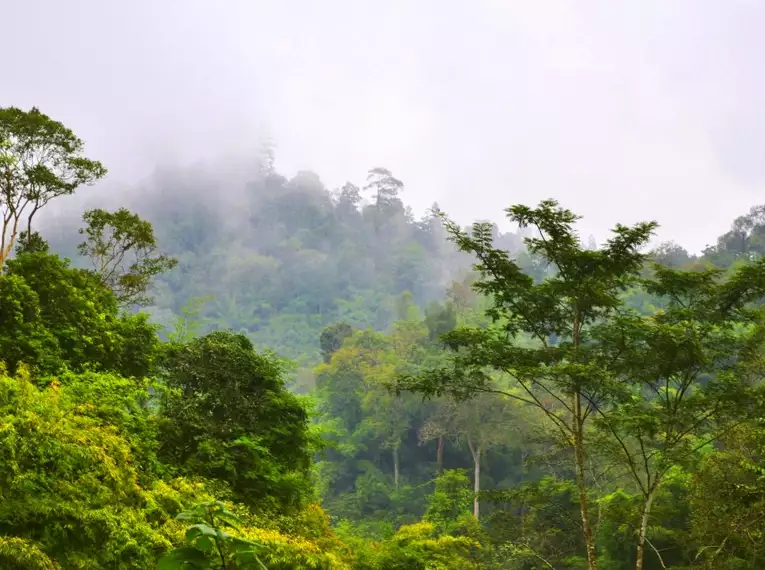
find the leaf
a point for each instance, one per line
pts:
(197, 530)
(184, 558)
(202, 537)
(247, 558)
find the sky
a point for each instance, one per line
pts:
(622, 111)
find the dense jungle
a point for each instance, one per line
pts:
(306, 378)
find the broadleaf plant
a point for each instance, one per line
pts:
(208, 545)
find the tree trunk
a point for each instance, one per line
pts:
(440, 454)
(7, 246)
(578, 429)
(476, 453)
(395, 466)
(640, 555)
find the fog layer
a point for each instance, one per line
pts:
(623, 111)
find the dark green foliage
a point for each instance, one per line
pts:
(231, 418)
(332, 338)
(31, 243)
(538, 522)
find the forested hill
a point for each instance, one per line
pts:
(281, 258)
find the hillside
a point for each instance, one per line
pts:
(281, 258)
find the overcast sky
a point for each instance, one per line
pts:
(622, 110)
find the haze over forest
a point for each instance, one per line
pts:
(612, 109)
(418, 286)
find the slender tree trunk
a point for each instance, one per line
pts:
(578, 428)
(476, 453)
(7, 246)
(647, 503)
(440, 454)
(578, 431)
(396, 466)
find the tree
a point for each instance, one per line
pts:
(187, 325)
(57, 316)
(385, 189)
(122, 248)
(31, 243)
(388, 416)
(230, 418)
(671, 254)
(40, 159)
(450, 502)
(440, 319)
(690, 372)
(481, 423)
(560, 379)
(68, 478)
(332, 339)
(727, 502)
(384, 186)
(746, 236)
(534, 525)
(347, 200)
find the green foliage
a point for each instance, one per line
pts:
(122, 248)
(40, 159)
(68, 482)
(230, 418)
(332, 338)
(606, 411)
(537, 522)
(208, 545)
(451, 501)
(20, 554)
(584, 290)
(59, 316)
(726, 502)
(418, 547)
(187, 325)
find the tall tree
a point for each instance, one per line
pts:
(561, 379)
(40, 159)
(123, 250)
(690, 372)
(384, 189)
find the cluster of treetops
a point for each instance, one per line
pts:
(496, 401)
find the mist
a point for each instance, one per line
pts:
(622, 111)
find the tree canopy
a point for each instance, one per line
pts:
(324, 381)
